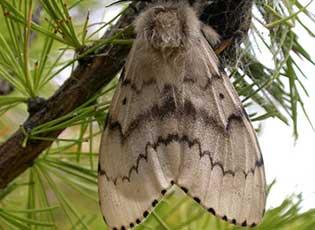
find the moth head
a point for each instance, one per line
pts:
(168, 26)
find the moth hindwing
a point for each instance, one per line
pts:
(176, 118)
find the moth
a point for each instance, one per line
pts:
(175, 118)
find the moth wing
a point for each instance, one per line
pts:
(223, 167)
(133, 176)
(193, 133)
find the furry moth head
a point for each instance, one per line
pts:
(171, 26)
(176, 120)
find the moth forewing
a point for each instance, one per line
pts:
(176, 118)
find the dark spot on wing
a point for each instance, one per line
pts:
(145, 214)
(184, 189)
(124, 101)
(154, 203)
(211, 210)
(197, 199)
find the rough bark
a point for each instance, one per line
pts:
(226, 16)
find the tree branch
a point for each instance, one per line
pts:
(87, 78)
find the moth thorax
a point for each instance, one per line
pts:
(166, 30)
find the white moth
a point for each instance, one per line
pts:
(176, 118)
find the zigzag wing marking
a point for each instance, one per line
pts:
(186, 129)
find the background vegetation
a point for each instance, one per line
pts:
(40, 45)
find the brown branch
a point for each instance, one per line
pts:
(87, 78)
(90, 76)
